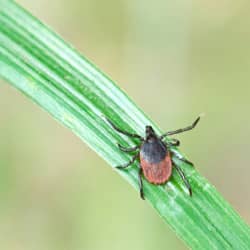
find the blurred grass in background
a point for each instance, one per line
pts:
(175, 60)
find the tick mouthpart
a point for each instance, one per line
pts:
(149, 129)
(150, 133)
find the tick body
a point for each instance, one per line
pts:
(155, 156)
(155, 159)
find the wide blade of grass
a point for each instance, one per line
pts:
(55, 76)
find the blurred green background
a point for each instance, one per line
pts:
(175, 59)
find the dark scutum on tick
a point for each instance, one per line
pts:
(155, 156)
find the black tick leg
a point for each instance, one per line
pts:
(123, 131)
(184, 178)
(174, 143)
(182, 158)
(178, 131)
(129, 163)
(127, 150)
(140, 183)
(186, 161)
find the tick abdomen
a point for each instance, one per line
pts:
(155, 162)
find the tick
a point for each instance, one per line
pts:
(155, 155)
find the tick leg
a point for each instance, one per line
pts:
(140, 183)
(127, 150)
(182, 158)
(174, 142)
(122, 131)
(184, 178)
(129, 163)
(181, 129)
(186, 161)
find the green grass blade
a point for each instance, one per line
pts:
(41, 65)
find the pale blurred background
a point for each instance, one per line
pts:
(176, 59)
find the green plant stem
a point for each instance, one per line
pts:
(41, 65)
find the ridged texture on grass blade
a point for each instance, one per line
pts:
(40, 64)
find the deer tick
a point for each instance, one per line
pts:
(155, 155)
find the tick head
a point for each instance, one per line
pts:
(150, 133)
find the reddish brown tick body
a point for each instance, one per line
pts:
(155, 156)
(155, 159)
